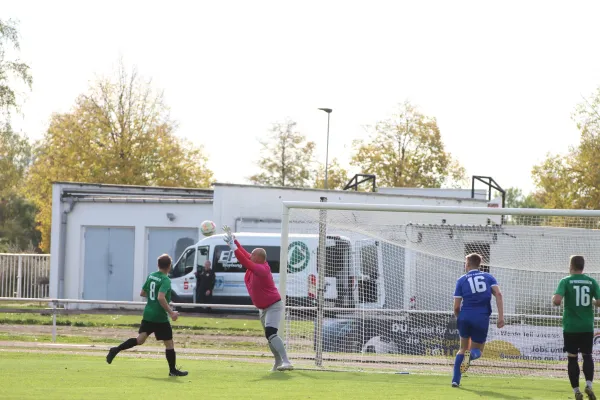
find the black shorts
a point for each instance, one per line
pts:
(578, 342)
(161, 330)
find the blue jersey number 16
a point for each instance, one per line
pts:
(477, 284)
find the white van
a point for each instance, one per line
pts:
(302, 269)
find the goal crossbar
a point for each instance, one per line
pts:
(439, 209)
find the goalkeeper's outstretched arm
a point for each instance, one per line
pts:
(241, 248)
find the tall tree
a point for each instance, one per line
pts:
(337, 177)
(572, 180)
(15, 156)
(286, 157)
(516, 199)
(406, 150)
(17, 224)
(12, 71)
(119, 132)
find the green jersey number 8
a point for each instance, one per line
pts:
(152, 291)
(582, 296)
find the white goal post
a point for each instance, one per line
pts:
(380, 280)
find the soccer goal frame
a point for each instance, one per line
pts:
(323, 207)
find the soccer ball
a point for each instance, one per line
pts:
(208, 228)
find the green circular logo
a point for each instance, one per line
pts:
(298, 257)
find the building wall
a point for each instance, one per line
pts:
(261, 207)
(135, 215)
(249, 208)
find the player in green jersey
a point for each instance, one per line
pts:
(156, 315)
(577, 290)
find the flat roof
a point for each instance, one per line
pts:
(351, 191)
(102, 188)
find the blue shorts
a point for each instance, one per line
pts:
(474, 328)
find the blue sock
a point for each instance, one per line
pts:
(457, 363)
(475, 354)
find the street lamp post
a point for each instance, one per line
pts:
(328, 111)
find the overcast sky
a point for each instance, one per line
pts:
(502, 78)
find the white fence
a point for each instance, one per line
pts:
(55, 303)
(24, 275)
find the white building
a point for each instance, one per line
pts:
(106, 238)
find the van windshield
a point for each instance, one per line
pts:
(185, 265)
(224, 260)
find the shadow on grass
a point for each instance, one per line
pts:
(275, 376)
(169, 379)
(493, 395)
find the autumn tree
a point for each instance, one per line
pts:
(337, 176)
(15, 150)
(406, 150)
(572, 180)
(15, 156)
(17, 215)
(12, 71)
(119, 132)
(17, 224)
(514, 198)
(286, 157)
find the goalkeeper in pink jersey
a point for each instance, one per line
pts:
(264, 295)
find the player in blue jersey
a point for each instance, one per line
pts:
(472, 308)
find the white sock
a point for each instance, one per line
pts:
(588, 384)
(279, 347)
(576, 390)
(275, 354)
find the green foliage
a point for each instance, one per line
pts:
(11, 71)
(119, 132)
(15, 157)
(573, 180)
(18, 231)
(406, 150)
(286, 158)
(17, 215)
(516, 199)
(337, 177)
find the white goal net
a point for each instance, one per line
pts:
(371, 287)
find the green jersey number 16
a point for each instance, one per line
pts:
(582, 296)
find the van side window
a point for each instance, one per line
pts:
(185, 265)
(224, 259)
(202, 256)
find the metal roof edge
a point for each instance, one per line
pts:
(347, 191)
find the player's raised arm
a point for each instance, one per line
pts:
(259, 269)
(230, 238)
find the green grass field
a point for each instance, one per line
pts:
(64, 377)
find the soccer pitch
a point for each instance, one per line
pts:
(32, 375)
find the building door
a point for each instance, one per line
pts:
(108, 263)
(172, 241)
